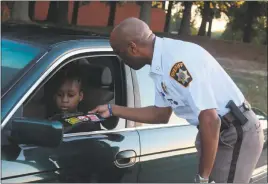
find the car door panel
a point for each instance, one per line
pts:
(32, 178)
(22, 171)
(93, 156)
(168, 154)
(82, 157)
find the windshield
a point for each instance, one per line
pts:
(15, 56)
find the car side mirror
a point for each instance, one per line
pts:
(37, 132)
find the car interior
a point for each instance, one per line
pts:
(98, 74)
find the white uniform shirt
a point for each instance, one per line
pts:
(188, 79)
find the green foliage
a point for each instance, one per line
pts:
(260, 30)
(175, 23)
(158, 4)
(214, 7)
(237, 20)
(216, 34)
(230, 34)
(194, 31)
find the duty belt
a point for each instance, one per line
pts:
(229, 118)
(243, 108)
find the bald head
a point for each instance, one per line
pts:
(133, 41)
(130, 30)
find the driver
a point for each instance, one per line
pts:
(68, 94)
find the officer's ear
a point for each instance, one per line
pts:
(132, 48)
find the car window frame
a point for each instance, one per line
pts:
(121, 121)
(55, 66)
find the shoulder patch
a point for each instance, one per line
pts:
(180, 73)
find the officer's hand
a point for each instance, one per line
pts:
(102, 110)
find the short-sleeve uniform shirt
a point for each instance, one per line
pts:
(189, 80)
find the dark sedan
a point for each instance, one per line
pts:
(36, 149)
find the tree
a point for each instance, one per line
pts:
(163, 5)
(75, 12)
(112, 12)
(62, 16)
(20, 11)
(205, 12)
(214, 13)
(247, 21)
(186, 19)
(52, 11)
(168, 16)
(145, 11)
(31, 9)
(246, 24)
(77, 5)
(210, 10)
(58, 12)
(250, 16)
(176, 20)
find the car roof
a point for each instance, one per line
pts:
(46, 35)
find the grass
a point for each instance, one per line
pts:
(216, 34)
(254, 87)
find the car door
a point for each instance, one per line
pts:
(98, 156)
(168, 153)
(86, 157)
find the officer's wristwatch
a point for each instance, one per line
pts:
(110, 110)
(199, 179)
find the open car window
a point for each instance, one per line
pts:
(102, 76)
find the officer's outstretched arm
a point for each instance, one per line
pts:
(150, 114)
(209, 127)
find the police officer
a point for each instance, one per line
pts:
(189, 81)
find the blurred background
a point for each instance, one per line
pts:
(234, 32)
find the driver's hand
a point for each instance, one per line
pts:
(102, 110)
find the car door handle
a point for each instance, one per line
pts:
(125, 158)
